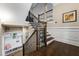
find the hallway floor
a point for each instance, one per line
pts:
(56, 49)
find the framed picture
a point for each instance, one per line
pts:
(70, 16)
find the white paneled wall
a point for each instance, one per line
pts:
(66, 35)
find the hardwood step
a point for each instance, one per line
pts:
(48, 34)
(50, 38)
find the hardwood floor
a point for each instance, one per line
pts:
(18, 53)
(56, 49)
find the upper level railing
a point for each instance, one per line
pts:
(46, 16)
(33, 20)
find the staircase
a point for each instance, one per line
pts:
(49, 39)
(35, 25)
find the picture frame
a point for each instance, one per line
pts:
(70, 16)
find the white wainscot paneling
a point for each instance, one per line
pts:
(66, 35)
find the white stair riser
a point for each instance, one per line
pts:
(48, 37)
(50, 42)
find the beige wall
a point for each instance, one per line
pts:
(59, 9)
(14, 13)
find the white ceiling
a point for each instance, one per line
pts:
(14, 12)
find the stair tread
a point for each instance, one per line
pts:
(48, 34)
(48, 39)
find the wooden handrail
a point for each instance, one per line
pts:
(45, 12)
(33, 15)
(37, 18)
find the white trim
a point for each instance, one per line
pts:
(61, 27)
(15, 25)
(50, 41)
(48, 36)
